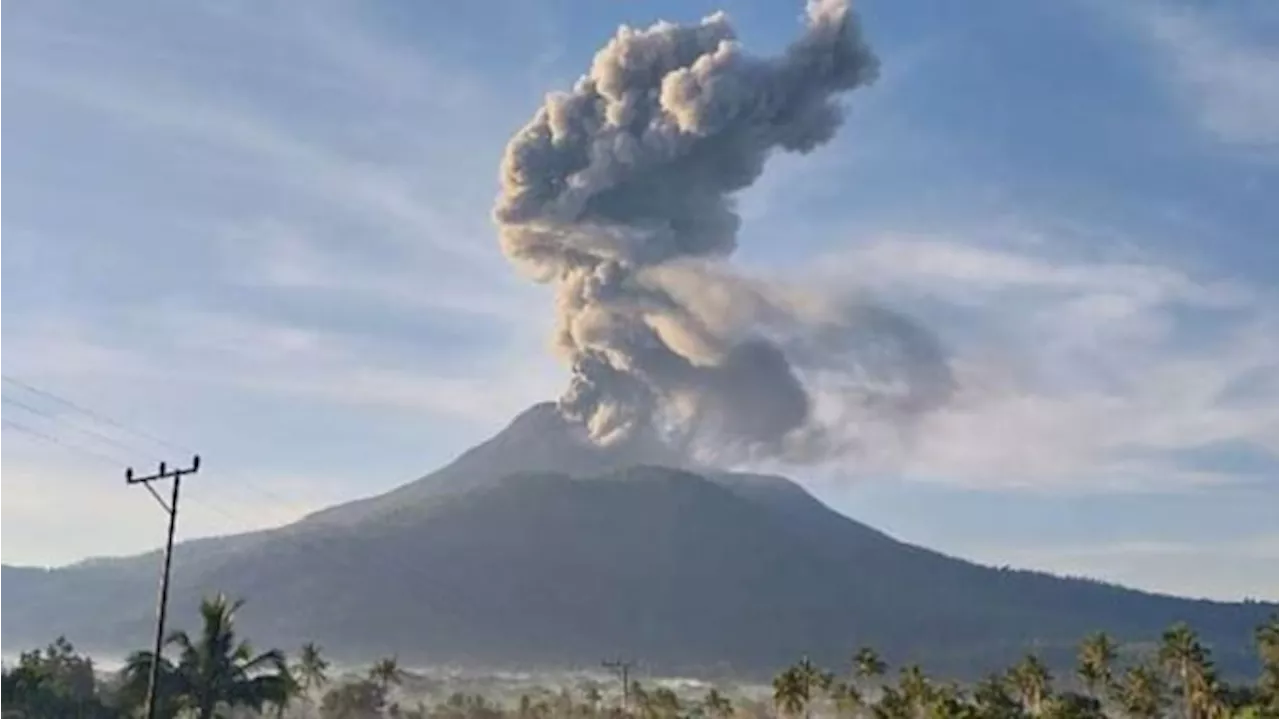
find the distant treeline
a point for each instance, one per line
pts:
(215, 674)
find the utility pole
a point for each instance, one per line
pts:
(162, 605)
(623, 670)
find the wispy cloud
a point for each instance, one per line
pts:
(377, 196)
(1076, 375)
(1227, 81)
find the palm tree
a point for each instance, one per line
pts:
(591, 695)
(948, 701)
(355, 700)
(215, 670)
(1071, 705)
(1141, 692)
(1031, 679)
(311, 668)
(867, 664)
(915, 689)
(291, 689)
(717, 705)
(991, 698)
(131, 693)
(386, 673)
(1187, 661)
(794, 689)
(664, 704)
(1266, 639)
(639, 698)
(847, 699)
(1097, 652)
(892, 705)
(790, 694)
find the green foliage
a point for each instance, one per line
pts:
(1097, 654)
(1267, 683)
(1180, 675)
(798, 686)
(52, 684)
(1071, 705)
(867, 664)
(311, 668)
(386, 672)
(214, 672)
(716, 705)
(355, 700)
(1141, 692)
(1031, 681)
(993, 700)
(214, 675)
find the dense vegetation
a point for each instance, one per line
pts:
(216, 675)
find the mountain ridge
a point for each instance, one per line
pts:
(582, 552)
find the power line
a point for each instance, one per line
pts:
(54, 440)
(102, 417)
(58, 418)
(91, 413)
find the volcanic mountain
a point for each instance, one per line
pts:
(536, 548)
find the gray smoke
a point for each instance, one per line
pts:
(621, 194)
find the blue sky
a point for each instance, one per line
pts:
(262, 230)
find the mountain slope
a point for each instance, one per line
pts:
(534, 548)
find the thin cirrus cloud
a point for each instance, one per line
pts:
(1227, 81)
(256, 349)
(1080, 375)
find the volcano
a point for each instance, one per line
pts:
(539, 549)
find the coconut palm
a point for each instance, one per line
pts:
(664, 704)
(386, 673)
(1188, 664)
(353, 700)
(790, 694)
(867, 664)
(847, 699)
(892, 705)
(947, 701)
(131, 693)
(915, 689)
(1093, 663)
(1071, 705)
(795, 688)
(1266, 639)
(1031, 679)
(717, 705)
(1141, 692)
(639, 698)
(991, 698)
(215, 670)
(591, 696)
(311, 668)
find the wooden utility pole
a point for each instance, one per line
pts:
(162, 605)
(623, 670)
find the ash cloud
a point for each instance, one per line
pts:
(620, 194)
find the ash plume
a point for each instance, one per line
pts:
(620, 193)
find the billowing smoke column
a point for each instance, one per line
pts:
(620, 193)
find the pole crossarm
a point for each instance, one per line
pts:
(163, 473)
